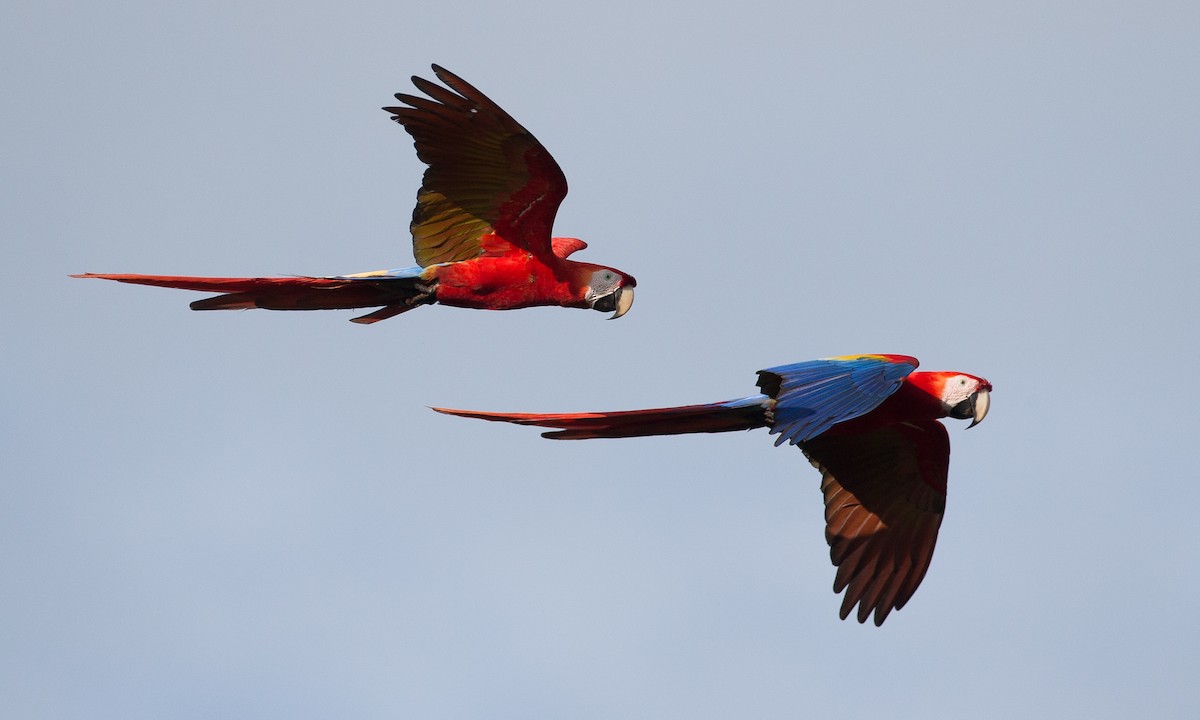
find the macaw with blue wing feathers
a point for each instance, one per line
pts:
(868, 423)
(481, 228)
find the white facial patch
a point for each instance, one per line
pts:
(603, 282)
(958, 388)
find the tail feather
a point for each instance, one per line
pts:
(745, 414)
(204, 284)
(396, 293)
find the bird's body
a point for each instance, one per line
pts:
(869, 423)
(481, 227)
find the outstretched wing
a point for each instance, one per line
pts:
(813, 396)
(486, 174)
(885, 494)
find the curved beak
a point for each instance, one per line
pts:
(979, 407)
(624, 301)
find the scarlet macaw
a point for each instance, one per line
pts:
(868, 423)
(481, 227)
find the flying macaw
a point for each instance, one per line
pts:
(868, 423)
(481, 227)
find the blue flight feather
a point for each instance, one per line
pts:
(813, 396)
(405, 272)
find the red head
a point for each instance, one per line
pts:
(605, 289)
(957, 395)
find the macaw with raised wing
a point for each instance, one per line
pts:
(868, 423)
(481, 228)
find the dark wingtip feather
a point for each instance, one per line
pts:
(447, 77)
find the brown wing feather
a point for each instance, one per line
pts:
(885, 494)
(487, 174)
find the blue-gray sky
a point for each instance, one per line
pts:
(253, 514)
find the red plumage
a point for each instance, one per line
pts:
(481, 228)
(872, 432)
(709, 418)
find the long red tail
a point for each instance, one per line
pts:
(397, 294)
(711, 418)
